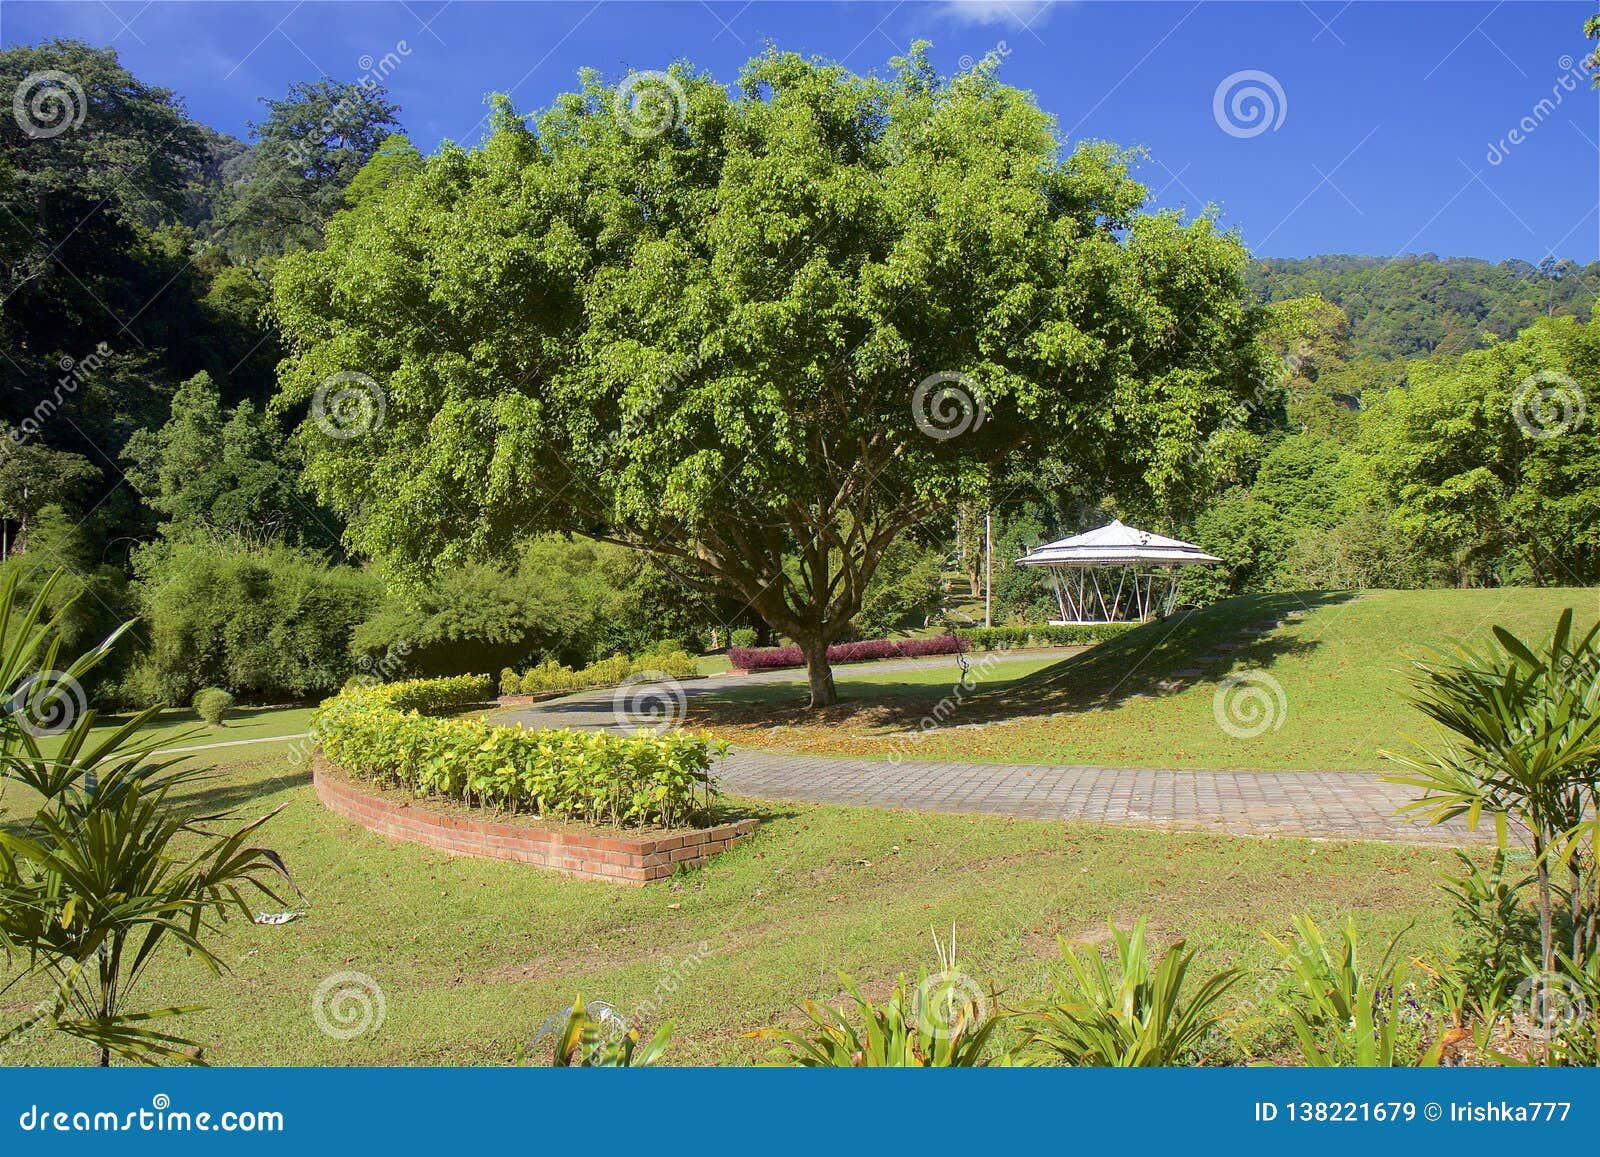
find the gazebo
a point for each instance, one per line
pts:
(1147, 569)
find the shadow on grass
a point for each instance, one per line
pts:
(226, 790)
(1162, 658)
(1158, 659)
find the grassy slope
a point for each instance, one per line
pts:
(1341, 667)
(473, 955)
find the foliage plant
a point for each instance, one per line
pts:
(1519, 738)
(1135, 1014)
(1345, 1015)
(739, 343)
(211, 704)
(592, 1037)
(551, 676)
(861, 651)
(1496, 930)
(427, 695)
(109, 868)
(934, 1024)
(379, 734)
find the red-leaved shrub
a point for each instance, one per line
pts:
(773, 658)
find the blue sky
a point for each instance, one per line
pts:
(1391, 130)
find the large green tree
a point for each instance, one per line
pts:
(759, 332)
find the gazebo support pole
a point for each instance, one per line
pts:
(1061, 593)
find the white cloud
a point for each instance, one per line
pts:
(1013, 13)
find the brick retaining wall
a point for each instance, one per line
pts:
(633, 859)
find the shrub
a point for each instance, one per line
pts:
(267, 624)
(773, 658)
(744, 637)
(211, 704)
(376, 733)
(986, 638)
(425, 695)
(551, 676)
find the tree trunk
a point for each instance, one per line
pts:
(819, 674)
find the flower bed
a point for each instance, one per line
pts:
(623, 857)
(375, 733)
(773, 658)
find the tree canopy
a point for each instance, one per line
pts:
(725, 326)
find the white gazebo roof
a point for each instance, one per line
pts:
(1118, 545)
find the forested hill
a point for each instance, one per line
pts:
(1420, 305)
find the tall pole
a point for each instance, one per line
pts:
(988, 569)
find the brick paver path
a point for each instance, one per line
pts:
(1322, 804)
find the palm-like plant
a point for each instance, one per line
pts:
(106, 871)
(1342, 1013)
(1519, 739)
(935, 1024)
(1135, 1015)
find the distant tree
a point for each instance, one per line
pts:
(33, 477)
(699, 327)
(213, 471)
(86, 124)
(311, 146)
(1494, 460)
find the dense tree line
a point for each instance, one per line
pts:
(1412, 306)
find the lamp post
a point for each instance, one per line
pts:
(988, 569)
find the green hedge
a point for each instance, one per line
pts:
(1044, 636)
(426, 695)
(376, 734)
(552, 676)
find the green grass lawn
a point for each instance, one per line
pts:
(181, 727)
(473, 955)
(1341, 669)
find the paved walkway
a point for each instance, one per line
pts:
(1318, 804)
